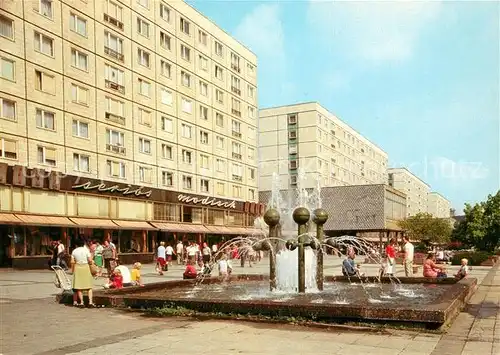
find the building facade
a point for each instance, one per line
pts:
(144, 93)
(438, 205)
(415, 189)
(307, 136)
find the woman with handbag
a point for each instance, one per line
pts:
(81, 266)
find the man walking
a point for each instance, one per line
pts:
(408, 257)
(179, 252)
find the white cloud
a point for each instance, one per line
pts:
(372, 30)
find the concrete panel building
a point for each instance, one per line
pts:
(438, 205)
(308, 136)
(415, 189)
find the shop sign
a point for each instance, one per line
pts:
(124, 190)
(206, 201)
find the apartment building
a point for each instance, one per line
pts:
(438, 205)
(137, 94)
(307, 136)
(416, 189)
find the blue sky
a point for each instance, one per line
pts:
(420, 79)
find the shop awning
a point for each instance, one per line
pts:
(198, 228)
(214, 229)
(168, 227)
(94, 223)
(140, 225)
(255, 231)
(41, 220)
(9, 218)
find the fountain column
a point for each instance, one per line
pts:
(272, 219)
(320, 217)
(301, 216)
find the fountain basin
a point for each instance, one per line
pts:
(416, 301)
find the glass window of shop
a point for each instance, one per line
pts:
(132, 242)
(235, 218)
(192, 214)
(166, 212)
(18, 237)
(215, 217)
(39, 240)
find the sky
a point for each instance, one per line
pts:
(419, 79)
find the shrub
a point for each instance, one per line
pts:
(475, 257)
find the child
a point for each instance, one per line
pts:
(116, 280)
(190, 272)
(135, 275)
(464, 270)
(224, 266)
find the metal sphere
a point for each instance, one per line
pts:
(320, 216)
(272, 217)
(301, 215)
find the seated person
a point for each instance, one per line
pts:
(431, 269)
(464, 270)
(116, 280)
(349, 266)
(135, 275)
(125, 272)
(190, 272)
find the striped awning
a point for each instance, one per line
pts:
(94, 223)
(42, 220)
(139, 225)
(9, 218)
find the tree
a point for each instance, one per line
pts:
(426, 228)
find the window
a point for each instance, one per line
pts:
(251, 92)
(235, 85)
(187, 182)
(164, 12)
(219, 119)
(115, 169)
(80, 129)
(236, 107)
(236, 191)
(7, 109)
(115, 141)
(250, 69)
(143, 3)
(187, 105)
(43, 7)
(187, 156)
(44, 44)
(113, 45)
(219, 74)
(204, 161)
(185, 79)
(6, 27)
(294, 164)
(144, 87)
(81, 163)
(144, 117)
(45, 82)
(45, 119)
(143, 57)
(221, 189)
(115, 11)
(219, 50)
(7, 69)
(219, 96)
(79, 60)
(203, 63)
(203, 88)
(165, 69)
(144, 146)
(166, 124)
(79, 94)
(115, 107)
(8, 149)
(251, 194)
(203, 112)
(251, 112)
(165, 40)
(166, 97)
(236, 150)
(219, 142)
(204, 185)
(185, 53)
(236, 126)
(251, 173)
(220, 165)
(46, 156)
(292, 135)
(167, 178)
(186, 131)
(185, 26)
(292, 149)
(142, 27)
(167, 151)
(78, 24)
(235, 62)
(251, 153)
(114, 75)
(203, 137)
(202, 38)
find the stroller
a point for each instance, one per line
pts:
(62, 279)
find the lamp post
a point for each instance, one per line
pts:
(301, 216)
(320, 216)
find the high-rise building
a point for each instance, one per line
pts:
(128, 98)
(416, 189)
(438, 205)
(309, 137)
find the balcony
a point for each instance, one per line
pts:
(236, 90)
(236, 134)
(237, 178)
(112, 85)
(236, 156)
(113, 21)
(115, 148)
(114, 54)
(236, 67)
(236, 112)
(115, 118)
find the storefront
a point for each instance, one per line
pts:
(37, 208)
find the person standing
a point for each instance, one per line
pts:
(81, 259)
(390, 252)
(61, 255)
(180, 252)
(169, 251)
(161, 258)
(408, 256)
(207, 253)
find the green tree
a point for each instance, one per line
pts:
(426, 228)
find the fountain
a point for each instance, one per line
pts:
(296, 285)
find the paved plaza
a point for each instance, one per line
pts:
(33, 323)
